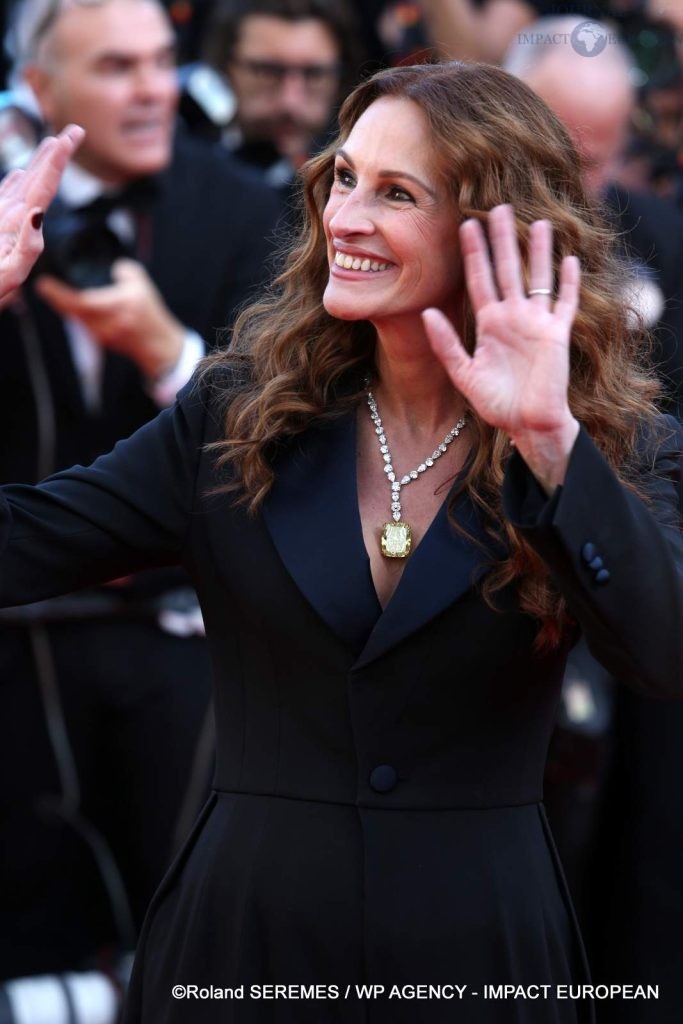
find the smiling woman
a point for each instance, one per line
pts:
(372, 216)
(422, 153)
(383, 708)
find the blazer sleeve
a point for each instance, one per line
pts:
(129, 510)
(616, 558)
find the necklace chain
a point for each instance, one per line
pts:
(396, 485)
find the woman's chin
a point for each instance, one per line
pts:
(341, 308)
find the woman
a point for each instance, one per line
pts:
(385, 694)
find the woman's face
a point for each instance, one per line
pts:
(390, 224)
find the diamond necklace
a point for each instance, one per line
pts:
(396, 537)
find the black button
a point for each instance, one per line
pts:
(383, 778)
(588, 552)
(602, 576)
(596, 563)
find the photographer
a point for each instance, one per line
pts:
(152, 245)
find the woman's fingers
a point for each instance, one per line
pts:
(37, 183)
(447, 346)
(45, 170)
(10, 187)
(30, 238)
(20, 254)
(508, 265)
(478, 273)
(541, 274)
(24, 196)
(483, 283)
(568, 295)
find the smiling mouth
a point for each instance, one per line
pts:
(348, 262)
(144, 128)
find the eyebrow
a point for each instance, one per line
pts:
(166, 49)
(390, 174)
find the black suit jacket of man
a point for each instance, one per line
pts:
(377, 813)
(133, 698)
(651, 231)
(210, 240)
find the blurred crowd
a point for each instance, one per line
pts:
(252, 103)
(198, 117)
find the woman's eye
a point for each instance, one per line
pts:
(395, 192)
(343, 177)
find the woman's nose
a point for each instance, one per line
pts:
(352, 217)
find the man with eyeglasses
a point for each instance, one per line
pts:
(288, 63)
(104, 699)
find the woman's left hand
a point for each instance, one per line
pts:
(517, 378)
(24, 197)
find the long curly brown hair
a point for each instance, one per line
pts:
(496, 142)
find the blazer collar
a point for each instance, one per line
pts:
(313, 518)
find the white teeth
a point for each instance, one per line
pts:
(358, 262)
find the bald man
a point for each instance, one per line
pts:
(593, 96)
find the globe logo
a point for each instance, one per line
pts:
(589, 39)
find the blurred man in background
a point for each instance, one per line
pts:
(484, 29)
(104, 697)
(289, 62)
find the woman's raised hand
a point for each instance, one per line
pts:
(24, 196)
(518, 376)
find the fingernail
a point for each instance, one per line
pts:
(75, 132)
(37, 221)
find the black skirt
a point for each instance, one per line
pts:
(360, 915)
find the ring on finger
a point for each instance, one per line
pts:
(539, 291)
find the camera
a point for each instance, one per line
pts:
(80, 248)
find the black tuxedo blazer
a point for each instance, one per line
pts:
(146, 504)
(376, 813)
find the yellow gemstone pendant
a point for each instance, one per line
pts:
(396, 540)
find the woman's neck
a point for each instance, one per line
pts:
(412, 388)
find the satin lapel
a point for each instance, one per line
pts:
(312, 515)
(443, 567)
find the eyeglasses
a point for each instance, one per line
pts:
(269, 76)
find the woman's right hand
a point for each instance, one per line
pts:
(24, 196)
